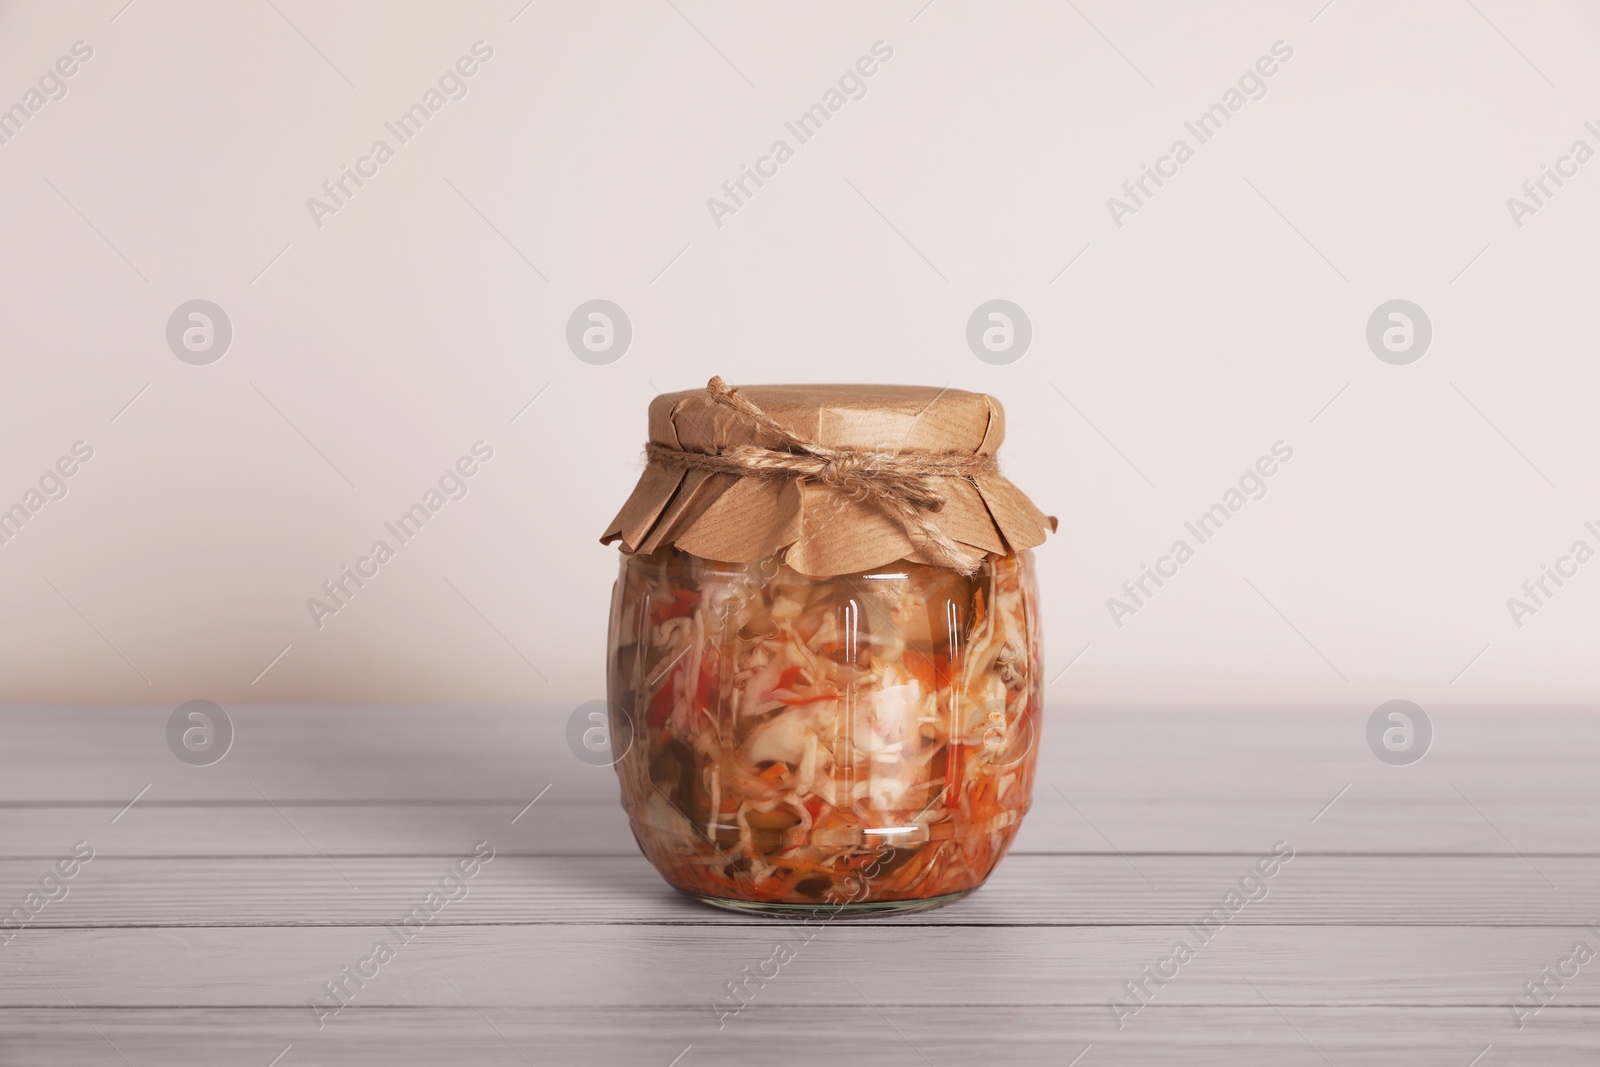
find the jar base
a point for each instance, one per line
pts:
(857, 910)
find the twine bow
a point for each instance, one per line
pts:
(903, 482)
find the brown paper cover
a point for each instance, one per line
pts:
(818, 531)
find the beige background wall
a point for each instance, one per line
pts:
(368, 353)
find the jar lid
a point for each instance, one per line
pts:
(734, 507)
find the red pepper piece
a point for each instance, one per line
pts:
(660, 708)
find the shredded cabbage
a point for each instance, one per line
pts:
(787, 729)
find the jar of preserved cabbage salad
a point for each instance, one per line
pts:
(825, 641)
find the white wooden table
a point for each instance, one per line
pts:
(1415, 909)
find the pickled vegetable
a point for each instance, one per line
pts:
(867, 738)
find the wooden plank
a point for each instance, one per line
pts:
(1420, 902)
(559, 825)
(842, 1033)
(506, 755)
(1002, 967)
(1026, 889)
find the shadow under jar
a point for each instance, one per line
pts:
(864, 742)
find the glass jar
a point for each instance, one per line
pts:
(855, 744)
